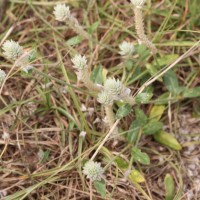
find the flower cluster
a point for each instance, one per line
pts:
(113, 90)
(2, 76)
(80, 62)
(105, 98)
(15, 52)
(114, 87)
(138, 3)
(93, 170)
(126, 48)
(61, 12)
(12, 49)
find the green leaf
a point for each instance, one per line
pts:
(139, 156)
(143, 97)
(74, 40)
(168, 140)
(136, 75)
(100, 186)
(133, 131)
(97, 75)
(142, 51)
(135, 128)
(121, 163)
(140, 117)
(32, 55)
(163, 99)
(156, 112)
(152, 127)
(171, 82)
(93, 27)
(123, 111)
(152, 70)
(129, 64)
(136, 176)
(191, 92)
(169, 187)
(165, 60)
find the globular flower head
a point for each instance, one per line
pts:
(2, 76)
(61, 12)
(113, 87)
(93, 170)
(126, 48)
(138, 3)
(12, 49)
(105, 98)
(80, 62)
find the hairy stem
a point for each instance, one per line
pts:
(74, 24)
(110, 117)
(139, 25)
(88, 83)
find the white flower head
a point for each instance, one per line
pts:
(61, 12)
(126, 48)
(138, 3)
(93, 170)
(114, 87)
(2, 76)
(12, 49)
(80, 62)
(105, 98)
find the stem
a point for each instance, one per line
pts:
(80, 148)
(4, 149)
(88, 83)
(91, 193)
(74, 24)
(139, 25)
(110, 117)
